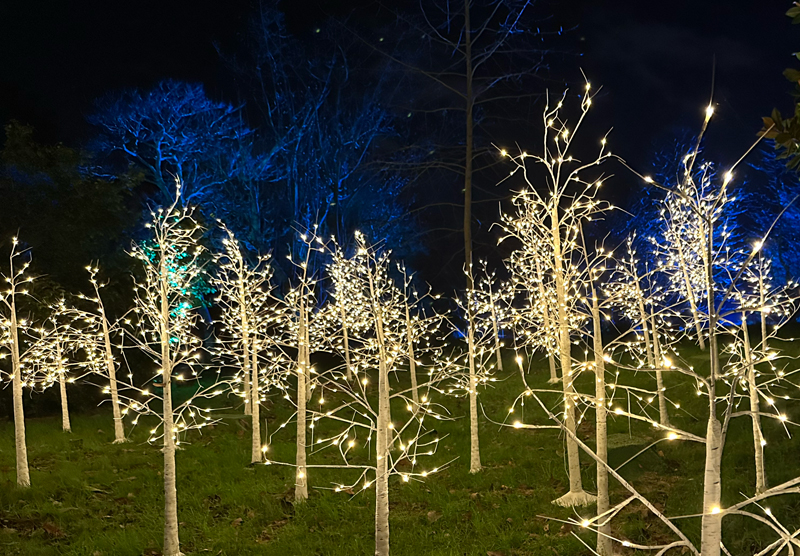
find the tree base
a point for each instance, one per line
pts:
(579, 498)
(553, 381)
(474, 470)
(120, 441)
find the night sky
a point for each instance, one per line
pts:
(654, 60)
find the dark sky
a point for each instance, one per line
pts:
(654, 59)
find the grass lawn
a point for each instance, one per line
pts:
(92, 498)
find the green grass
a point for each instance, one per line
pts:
(90, 497)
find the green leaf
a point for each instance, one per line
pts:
(792, 74)
(783, 138)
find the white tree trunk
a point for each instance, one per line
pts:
(576, 495)
(474, 445)
(62, 389)
(690, 295)
(663, 412)
(119, 429)
(23, 473)
(382, 467)
(755, 412)
(301, 482)
(553, 373)
(496, 329)
(245, 349)
(604, 545)
(763, 313)
(412, 363)
(712, 516)
(307, 354)
(349, 370)
(547, 318)
(645, 330)
(246, 395)
(255, 407)
(382, 441)
(171, 542)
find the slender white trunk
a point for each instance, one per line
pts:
(245, 349)
(663, 412)
(553, 372)
(755, 412)
(62, 389)
(687, 283)
(171, 542)
(119, 429)
(412, 363)
(763, 313)
(547, 318)
(576, 495)
(301, 483)
(382, 467)
(382, 441)
(255, 407)
(346, 337)
(711, 525)
(645, 330)
(23, 473)
(307, 354)
(474, 445)
(712, 517)
(496, 330)
(604, 546)
(246, 395)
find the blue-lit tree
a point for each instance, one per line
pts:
(322, 125)
(173, 131)
(780, 188)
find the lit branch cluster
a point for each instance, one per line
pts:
(703, 286)
(548, 267)
(361, 419)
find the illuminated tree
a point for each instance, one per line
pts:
(596, 266)
(493, 305)
(347, 305)
(165, 319)
(534, 322)
(51, 356)
(470, 368)
(720, 278)
(97, 346)
(355, 408)
(633, 293)
(17, 278)
(755, 294)
(244, 297)
(421, 323)
(298, 322)
(551, 215)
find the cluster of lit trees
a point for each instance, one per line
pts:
(696, 280)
